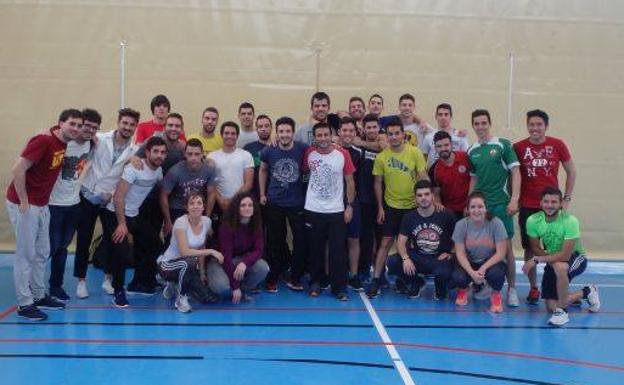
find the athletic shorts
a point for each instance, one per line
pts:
(500, 211)
(355, 226)
(577, 265)
(392, 222)
(523, 215)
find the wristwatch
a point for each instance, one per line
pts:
(567, 198)
(535, 260)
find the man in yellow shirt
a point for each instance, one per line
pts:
(210, 140)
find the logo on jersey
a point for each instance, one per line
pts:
(462, 169)
(57, 159)
(286, 171)
(493, 152)
(397, 164)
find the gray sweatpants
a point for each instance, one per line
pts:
(32, 248)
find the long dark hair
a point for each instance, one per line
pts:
(232, 215)
(479, 195)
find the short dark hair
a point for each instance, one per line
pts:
(70, 113)
(538, 114)
(192, 195)
(230, 123)
(210, 109)
(441, 135)
(159, 100)
(129, 112)
(423, 183)
(246, 105)
(444, 106)
(481, 112)
(154, 141)
(194, 142)
(357, 99)
(287, 120)
(479, 195)
(370, 118)
(347, 120)
(393, 122)
(376, 96)
(552, 190)
(318, 126)
(319, 96)
(263, 116)
(176, 116)
(407, 97)
(92, 115)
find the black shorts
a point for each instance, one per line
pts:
(577, 265)
(392, 222)
(523, 215)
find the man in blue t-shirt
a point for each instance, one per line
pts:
(282, 193)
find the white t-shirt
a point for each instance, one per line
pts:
(141, 183)
(417, 131)
(194, 241)
(428, 147)
(230, 170)
(326, 185)
(66, 191)
(246, 137)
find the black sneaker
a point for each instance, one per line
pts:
(400, 287)
(355, 284)
(49, 303)
(325, 283)
(120, 299)
(414, 289)
(294, 284)
(140, 289)
(342, 296)
(441, 293)
(59, 293)
(31, 313)
(315, 289)
(374, 289)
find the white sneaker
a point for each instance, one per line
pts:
(170, 290)
(559, 317)
(593, 299)
(182, 304)
(107, 285)
(81, 289)
(484, 293)
(512, 297)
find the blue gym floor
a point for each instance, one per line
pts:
(289, 338)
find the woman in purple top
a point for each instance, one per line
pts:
(241, 243)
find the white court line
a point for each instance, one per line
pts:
(396, 358)
(615, 285)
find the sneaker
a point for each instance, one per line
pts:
(271, 286)
(342, 296)
(170, 290)
(81, 289)
(414, 290)
(325, 283)
(593, 299)
(496, 302)
(59, 293)
(355, 284)
(512, 297)
(482, 292)
(120, 299)
(399, 286)
(533, 297)
(559, 317)
(462, 297)
(257, 290)
(315, 289)
(31, 313)
(440, 293)
(374, 289)
(182, 304)
(107, 285)
(140, 289)
(294, 284)
(49, 303)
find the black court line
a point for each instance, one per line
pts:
(310, 325)
(97, 357)
(414, 369)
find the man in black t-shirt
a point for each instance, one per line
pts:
(425, 245)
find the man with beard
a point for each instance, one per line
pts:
(112, 151)
(459, 141)
(119, 219)
(320, 105)
(425, 245)
(264, 127)
(28, 195)
(211, 140)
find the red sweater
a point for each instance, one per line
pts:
(241, 242)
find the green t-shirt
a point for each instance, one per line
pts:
(491, 163)
(554, 233)
(400, 173)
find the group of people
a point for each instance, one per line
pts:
(208, 213)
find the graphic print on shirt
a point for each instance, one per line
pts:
(286, 171)
(427, 238)
(73, 166)
(57, 159)
(321, 180)
(539, 160)
(193, 186)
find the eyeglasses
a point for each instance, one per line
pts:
(91, 126)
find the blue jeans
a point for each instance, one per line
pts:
(63, 220)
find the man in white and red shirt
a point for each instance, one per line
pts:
(330, 170)
(539, 157)
(28, 195)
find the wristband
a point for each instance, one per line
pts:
(535, 260)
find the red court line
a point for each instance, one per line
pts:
(226, 342)
(8, 311)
